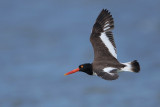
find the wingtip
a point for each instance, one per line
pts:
(104, 22)
(106, 10)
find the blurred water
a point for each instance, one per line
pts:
(40, 40)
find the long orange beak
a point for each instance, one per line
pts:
(73, 71)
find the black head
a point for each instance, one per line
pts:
(87, 68)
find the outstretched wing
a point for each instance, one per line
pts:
(108, 73)
(102, 38)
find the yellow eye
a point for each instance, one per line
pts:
(81, 66)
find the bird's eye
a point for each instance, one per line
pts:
(81, 66)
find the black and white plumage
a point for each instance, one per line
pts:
(105, 64)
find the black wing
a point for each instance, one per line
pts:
(102, 38)
(108, 73)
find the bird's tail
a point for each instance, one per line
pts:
(131, 66)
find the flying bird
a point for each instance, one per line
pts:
(105, 63)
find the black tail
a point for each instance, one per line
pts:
(135, 66)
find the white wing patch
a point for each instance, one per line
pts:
(106, 28)
(108, 70)
(108, 44)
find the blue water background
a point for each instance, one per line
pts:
(40, 40)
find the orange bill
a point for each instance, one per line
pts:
(73, 71)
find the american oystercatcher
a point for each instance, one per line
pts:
(105, 64)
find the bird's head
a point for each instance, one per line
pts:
(87, 68)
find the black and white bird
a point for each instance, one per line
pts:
(105, 64)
